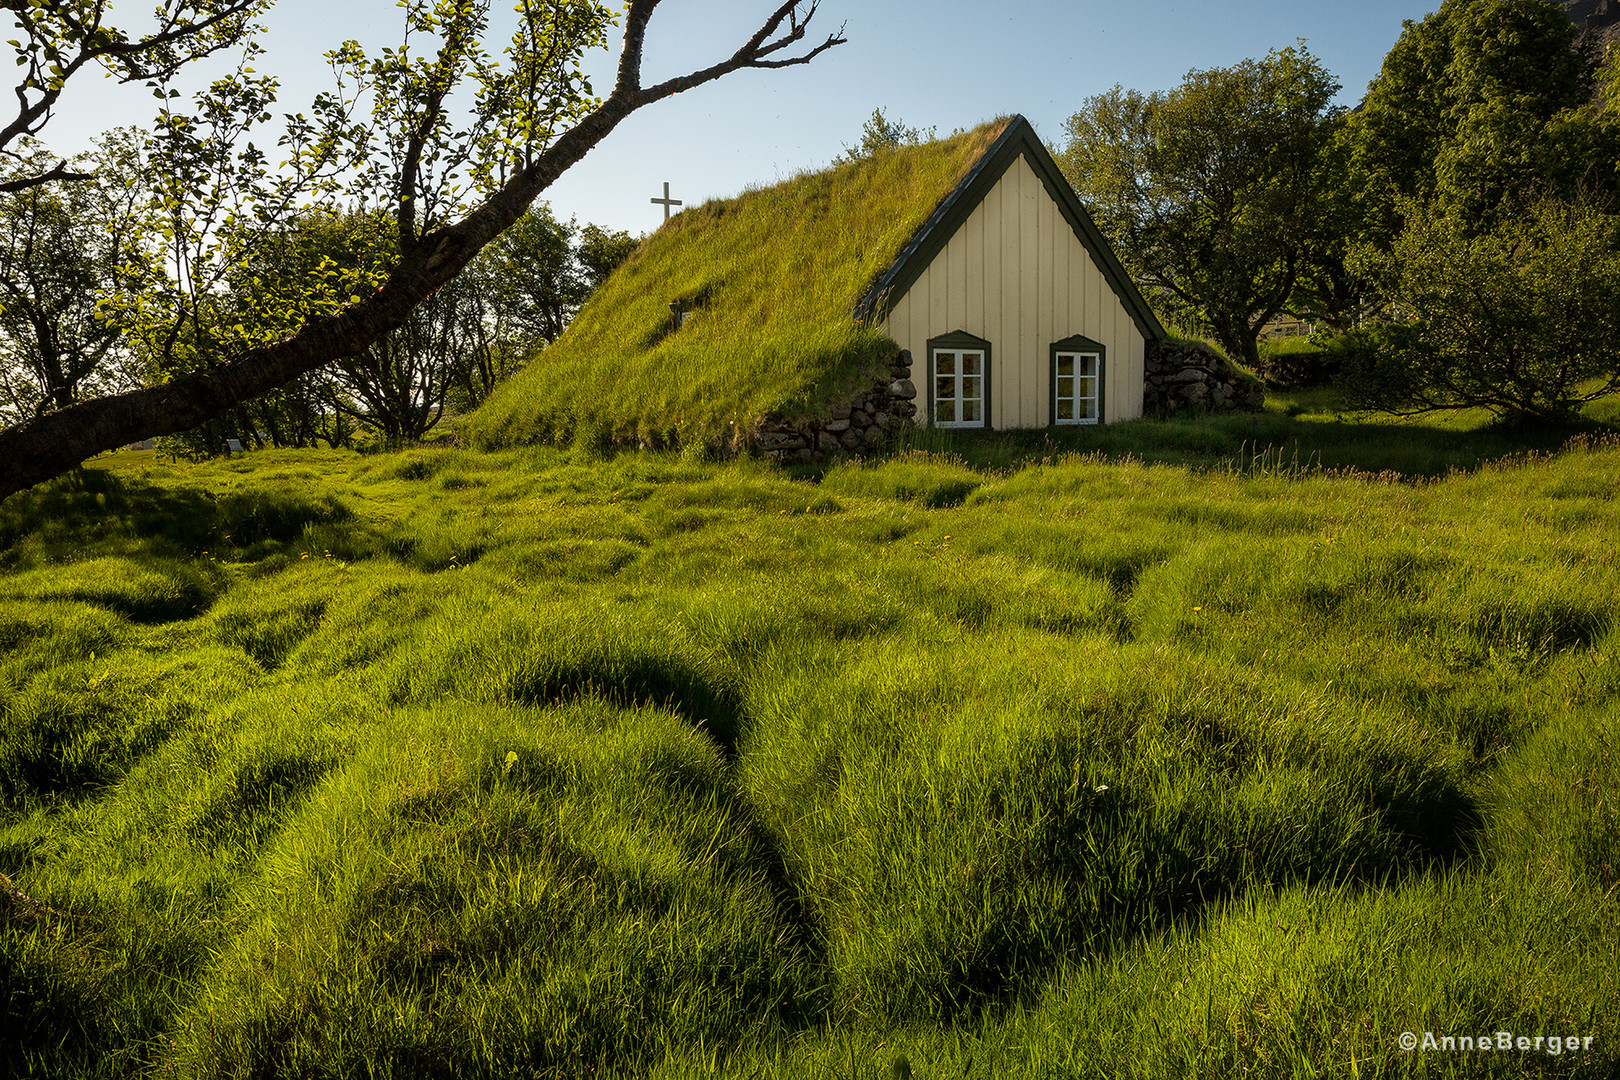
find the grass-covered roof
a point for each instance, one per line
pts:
(774, 276)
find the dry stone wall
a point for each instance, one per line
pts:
(1179, 378)
(1194, 378)
(860, 426)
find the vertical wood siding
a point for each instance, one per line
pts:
(1016, 275)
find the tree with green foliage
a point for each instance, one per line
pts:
(537, 281)
(63, 251)
(278, 284)
(541, 270)
(601, 251)
(399, 384)
(880, 134)
(1522, 319)
(525, 289)
(515, 296)
(1479, 109)
(1329, 292)
(1212, 192)
(57, 41)
(491, 351)
(1482, 158)
(452, 181)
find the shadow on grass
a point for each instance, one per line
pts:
(632, 678)
(91, 510)
(49, 1023)
(91, 505)
(1003, 970)
(1269, 441)
(1086, 870)
(70, 739)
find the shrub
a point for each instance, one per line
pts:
(1520, 319)
(1299, 361)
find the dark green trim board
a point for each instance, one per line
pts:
(1018, 141)
(957, 339)
(1077, 343)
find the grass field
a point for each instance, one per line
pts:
(1221, 748)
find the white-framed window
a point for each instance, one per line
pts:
(1079, 384)
(959, 388)
(1077, 388)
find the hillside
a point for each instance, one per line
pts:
(771, 279)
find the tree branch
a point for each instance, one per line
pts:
(124, 50)
(635, 36)
(753, 52)
(111, 48)
(432, 112)
(48, 445)
(59, 172)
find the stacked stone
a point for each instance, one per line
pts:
(860, 426)
(1192, 378)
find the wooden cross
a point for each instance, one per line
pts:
(667, 201)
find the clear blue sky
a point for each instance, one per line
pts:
(944, 63)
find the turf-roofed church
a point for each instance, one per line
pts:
(957, 284)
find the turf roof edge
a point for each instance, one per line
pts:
(1018, 140)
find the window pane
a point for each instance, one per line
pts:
(971, 388)
(1065, 410)
(944, 412)
(1088, 388)
(971, 363)
(970, 411)
(945, 387)
(1088, 365)
(945, 363)
(1065, 365)
(1065, 386)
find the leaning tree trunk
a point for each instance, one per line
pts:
(49, 445)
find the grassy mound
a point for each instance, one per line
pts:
(543, 764)
(773, 276)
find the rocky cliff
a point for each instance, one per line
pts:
(1598, 19)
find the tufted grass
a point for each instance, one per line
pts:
(776, 274)
(545, 763)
